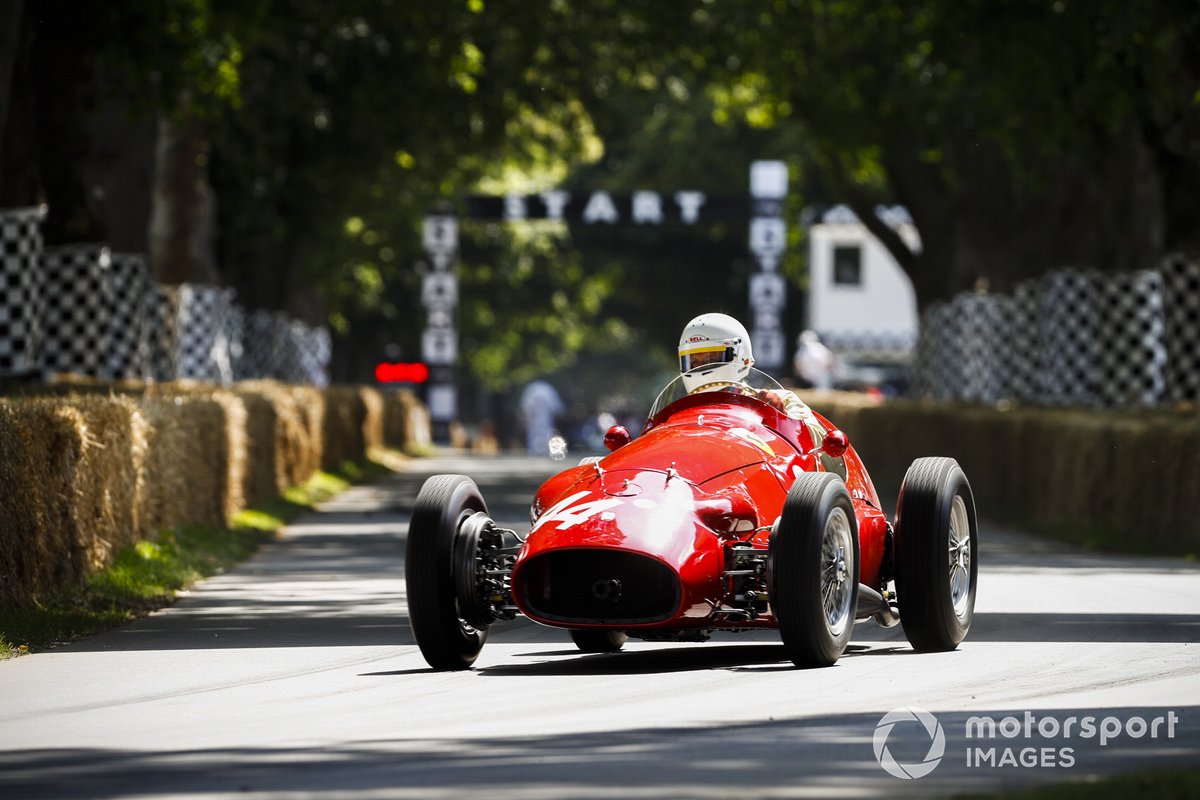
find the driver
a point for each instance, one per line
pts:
(714, 355)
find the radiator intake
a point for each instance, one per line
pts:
(599, 586)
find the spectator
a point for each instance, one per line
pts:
(814, 363)
(540, 404)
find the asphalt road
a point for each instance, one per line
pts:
(296, 675)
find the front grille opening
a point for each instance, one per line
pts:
(599, 587)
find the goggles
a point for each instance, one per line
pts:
(705, 357)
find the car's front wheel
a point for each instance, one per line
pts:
(813, 570)
(447, 517)
(937, 544)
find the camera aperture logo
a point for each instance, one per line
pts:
(1021, 741)
(937, 742)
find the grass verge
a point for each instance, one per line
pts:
(146, 576)
(1159, 784)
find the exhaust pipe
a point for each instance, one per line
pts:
(876, 606)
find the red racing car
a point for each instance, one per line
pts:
(725, 514)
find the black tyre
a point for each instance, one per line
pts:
(598, 641)
(447, 516)
(937, 539)
(813, 570)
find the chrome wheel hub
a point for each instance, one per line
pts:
(836, 549)
(960, 557)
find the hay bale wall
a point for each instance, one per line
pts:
(92, 468)
(1098, 475)
(353, 424)
(405, 422)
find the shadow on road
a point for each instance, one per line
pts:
(820, 756)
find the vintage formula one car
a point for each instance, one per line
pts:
(725, 514)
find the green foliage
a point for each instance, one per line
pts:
(1021, 136)
(1016, 134)
(142, 578)
(528, 306)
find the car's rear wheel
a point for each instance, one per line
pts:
(937, 542)
(813, 570)
(598, 641)
(447, 517)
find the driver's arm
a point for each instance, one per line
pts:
(784, 401)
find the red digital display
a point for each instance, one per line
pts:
(386, 372)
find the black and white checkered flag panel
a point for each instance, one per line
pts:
(203, 348)
(79, 309)
(162, 310)
(262, 345)
(21, 290)
(1069, 338)
(1181, 286)
(76, 310)
(128, 324)
(306, 354)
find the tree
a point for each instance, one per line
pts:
(1021, 137)
(76, 62)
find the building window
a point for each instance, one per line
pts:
(847, 265)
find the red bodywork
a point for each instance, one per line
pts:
(661, 513)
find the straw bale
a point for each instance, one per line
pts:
(87, 472)
(343, 426)
(405, 421)
(372, 428)
(310, 406)
(236, 452)
(289, 430)
(40, 446)
(261, 481)
(187, 458)
(395, 419)
(109, 479)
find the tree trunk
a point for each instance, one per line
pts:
(62, 71)
(999, 224)
(20, 184)
(10, 44)
(120, 167)
(182, 222)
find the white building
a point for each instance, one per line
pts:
(860, 301)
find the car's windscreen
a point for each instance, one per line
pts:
(675, 389)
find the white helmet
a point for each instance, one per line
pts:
(714, 351)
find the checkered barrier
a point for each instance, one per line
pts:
(1181, 285)
(21, 290)
(75, 317)
(970, 339)
(162, 310)
(1070, 338)
(885, 346)
(79, 309)
(128, 324)
(203, 348)
(235, 325)
(261, 346)
(306, 352)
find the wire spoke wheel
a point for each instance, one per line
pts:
(835, 583)
(960, 557)
(812, 570)
(937, 541)
(441, 563)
